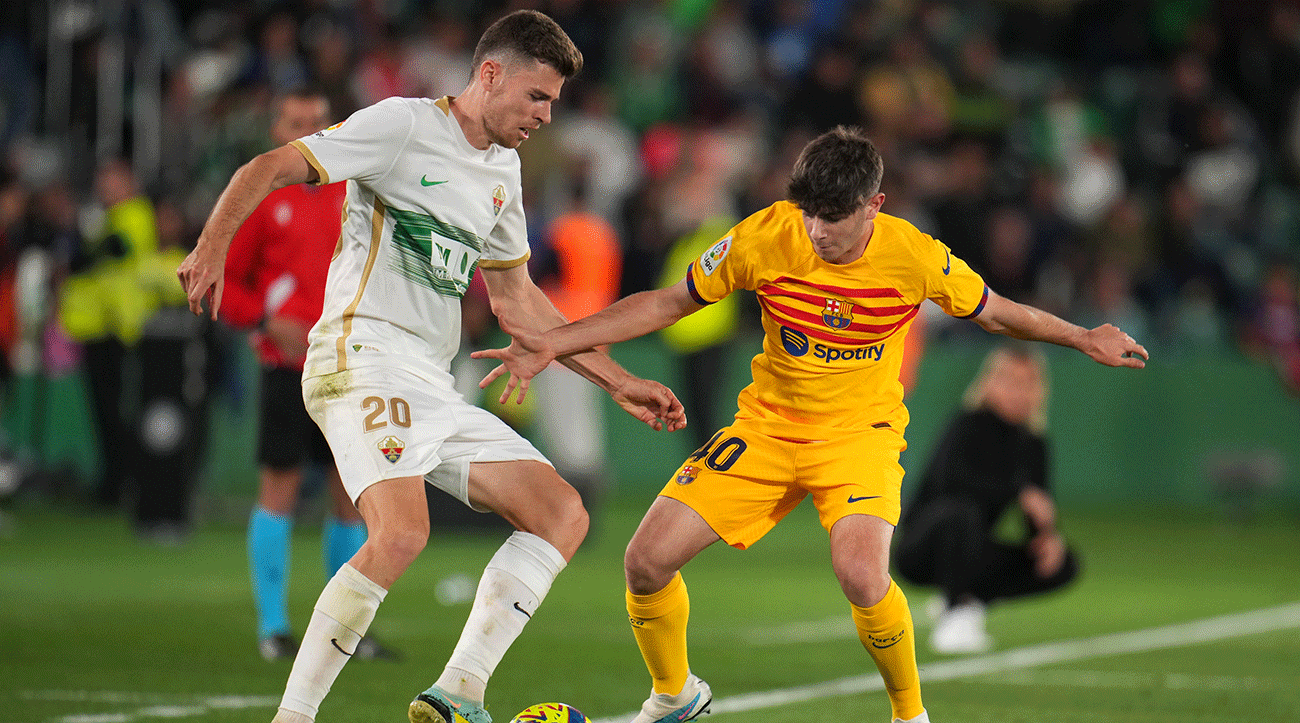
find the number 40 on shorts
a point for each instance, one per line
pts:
(719, 454)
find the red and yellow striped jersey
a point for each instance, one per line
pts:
(833, 334)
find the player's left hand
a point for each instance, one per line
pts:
(652, 403)
(1111, 346)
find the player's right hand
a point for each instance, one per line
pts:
(524, 359)
(202, 275)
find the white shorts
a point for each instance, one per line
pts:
(382, 423)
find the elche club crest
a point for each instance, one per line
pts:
(687, 474)
(838, 314)
(498, 199)
(391, 447)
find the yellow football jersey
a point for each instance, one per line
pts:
(833, 334)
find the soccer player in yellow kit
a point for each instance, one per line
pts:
(839, 283)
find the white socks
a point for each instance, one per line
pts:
(514, 583)
(342, 615)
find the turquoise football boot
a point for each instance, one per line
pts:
(438, 706)
(686, 705)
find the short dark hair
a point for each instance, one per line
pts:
(836, 173)
(530, 34)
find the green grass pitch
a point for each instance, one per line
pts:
(96, 628)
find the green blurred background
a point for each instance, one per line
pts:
(1202, 430)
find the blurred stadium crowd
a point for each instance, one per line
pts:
(1132, 161)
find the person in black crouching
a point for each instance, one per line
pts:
(992, 457)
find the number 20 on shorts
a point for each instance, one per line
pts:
(399, 412)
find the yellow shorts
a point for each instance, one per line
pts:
(743, 482)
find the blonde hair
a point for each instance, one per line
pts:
(976, 395)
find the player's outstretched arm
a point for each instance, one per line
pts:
(1106, 344)
(531, 349)
(533, 323)
(201, 273)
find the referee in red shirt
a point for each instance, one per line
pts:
(275, 286)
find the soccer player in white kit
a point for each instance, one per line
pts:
(433, 195)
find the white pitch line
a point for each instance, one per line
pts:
(236, 702)
(1130, 680)
(805, 631)
(1141, 680)
(158, 705)
(839, 627)
(95, 696)
(1282, 617)
(172, 711)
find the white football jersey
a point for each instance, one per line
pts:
(424, 210)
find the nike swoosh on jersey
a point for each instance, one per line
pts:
(948, 261)
(426, 182)
(853, 499)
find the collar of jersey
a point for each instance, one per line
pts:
(458, 133)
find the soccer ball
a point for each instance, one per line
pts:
(550, 713)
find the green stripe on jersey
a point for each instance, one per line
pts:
(434, 254)
(421, 225)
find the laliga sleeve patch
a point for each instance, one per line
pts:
(714, 256)
(326, 131)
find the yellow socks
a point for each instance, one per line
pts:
(659, 624)
(886, 631)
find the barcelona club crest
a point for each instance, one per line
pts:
(838, 314)
(687, 474)
(391, 447)
(498, 199)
